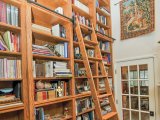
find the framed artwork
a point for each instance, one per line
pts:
(137, 18)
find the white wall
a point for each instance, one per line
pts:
(145, 45)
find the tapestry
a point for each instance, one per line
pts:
(137, 18)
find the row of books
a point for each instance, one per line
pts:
(82, 19)
(60, 50)
(82, 86)
(10, 94)
(10, 68)
(40, 114)
(107, 59)
(86, 116)
(56, 30)
(101, 18)
(51, 69)
(81, 5)
(84, 104)
(9, 14)
(9, 41)
(105, 46)
(51, 90)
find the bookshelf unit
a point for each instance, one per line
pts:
(15, 107)
(39, 15)
(103, 19)
(43, 13)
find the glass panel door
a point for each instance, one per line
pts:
(137, 84)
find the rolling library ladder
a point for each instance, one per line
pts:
(86, 60)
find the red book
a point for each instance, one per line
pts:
(44, 95)
(15, 43)
(3, 12)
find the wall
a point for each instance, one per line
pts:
(145, 45)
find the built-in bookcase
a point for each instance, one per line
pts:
(13, 78)
(49, 49)
(43, 28)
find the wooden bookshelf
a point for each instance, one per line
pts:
(18, 110)
(42, 13)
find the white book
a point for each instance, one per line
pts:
(59, 10)
(81, 6)
(104, 10)
(56, 30)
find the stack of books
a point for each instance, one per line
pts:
(101, 30)
(9, 14)
(51, 90)
(10, 68)
(61, 70)
(41, 50)
(9, 41)
(105, 46)
(105, 11)
(82, 86)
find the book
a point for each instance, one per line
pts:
(3, 12)
(59, 31)
(3, 46)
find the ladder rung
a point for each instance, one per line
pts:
(109, 115)
(94, 59)
(90, 42)
(104, 95)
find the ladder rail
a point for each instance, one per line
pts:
(89, 72)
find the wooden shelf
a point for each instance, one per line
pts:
(35, 56)
(82, 95)
(109, 115)
(86, 2)
(11, 108)
(95, 59)
(101, 12)
(90, 42)
(5, 27)
(52, 18)
(67, 118)
(52, 101)
(10, 54)
(105, 52)
(10, 79)
(80, 11)
(52, 78)
(86, 111)
(13, 2)
(103, 37)
(81, 61)
(104, 95)
(86, 29)
(88, 46)
(103, 25)
(102, 3)
(40, 35)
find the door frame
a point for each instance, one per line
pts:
(118, 94)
